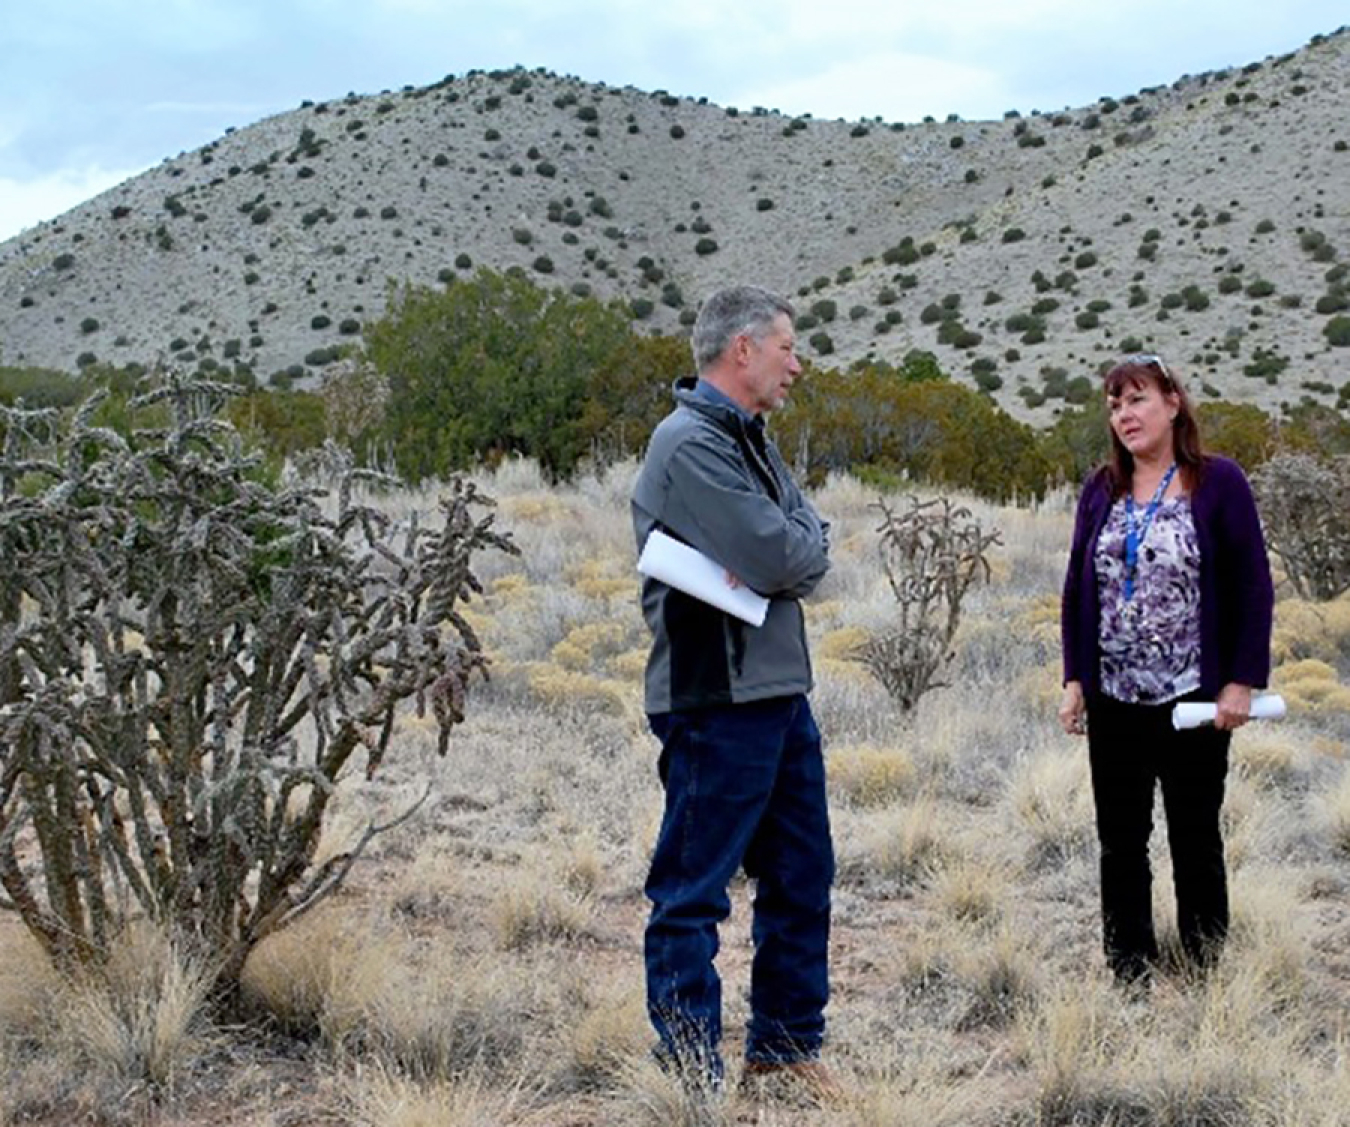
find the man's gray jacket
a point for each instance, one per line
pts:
(713, 480)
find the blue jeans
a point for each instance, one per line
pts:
(745, 785)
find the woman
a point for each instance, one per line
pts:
(1167, 597)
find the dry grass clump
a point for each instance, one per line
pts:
(871, 777)
(894, 848)
(147, 1017)
(1271, 757)
(381, 1096)
(1336, 813)
(534, 907)
(970, 888)
(1050, 796)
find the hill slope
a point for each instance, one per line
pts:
(1206, 220)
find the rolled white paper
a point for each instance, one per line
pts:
(1191, 714)
(689, 570)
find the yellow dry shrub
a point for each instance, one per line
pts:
(556, 687)
(1039, 619)
(1311, 630)
(1311, 685)
(603, 578)
(535, 508)
(510, 587)
(631, 665)
(846, 672)
(589, 643)
(818, 612)
(841, 644)
(872, 776)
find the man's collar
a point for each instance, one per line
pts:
(705, 390)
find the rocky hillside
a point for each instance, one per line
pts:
(1208, 220)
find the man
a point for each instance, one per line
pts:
(741, 757)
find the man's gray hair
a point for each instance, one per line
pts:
(731, 312)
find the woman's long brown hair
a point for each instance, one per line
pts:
(1139, 371)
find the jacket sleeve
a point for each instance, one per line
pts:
(1073, 603)
(1249, 594)
(711, 503)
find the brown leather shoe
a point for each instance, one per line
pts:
(803, 1082)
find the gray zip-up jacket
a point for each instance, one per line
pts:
(713, 480)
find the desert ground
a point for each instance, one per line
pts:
(483, 965)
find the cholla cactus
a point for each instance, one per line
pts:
(931, 554)
(189, 662)
(1305, 506)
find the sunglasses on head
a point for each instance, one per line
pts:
(1148, 360)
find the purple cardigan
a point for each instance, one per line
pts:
(1236, 595)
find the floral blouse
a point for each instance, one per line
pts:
(1150, 644)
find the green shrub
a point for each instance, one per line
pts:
(1013, 235)
(822, 343)
(1195, 298)
(705, 246)
(1337, 332)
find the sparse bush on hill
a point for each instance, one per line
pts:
(1337, 332)
(172, 735)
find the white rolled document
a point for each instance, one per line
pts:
(689, 570)
(1191, 714)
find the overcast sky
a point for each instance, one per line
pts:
(94, 91)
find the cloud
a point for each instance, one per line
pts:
(892, 84)
(25, 203)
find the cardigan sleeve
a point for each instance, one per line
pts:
(1246, 592)
(1074, 601)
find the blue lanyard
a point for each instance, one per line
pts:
(1136, 531)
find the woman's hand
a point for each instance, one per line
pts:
(1234, 706)
(1073, 709)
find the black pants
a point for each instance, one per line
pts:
(1133, 748)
